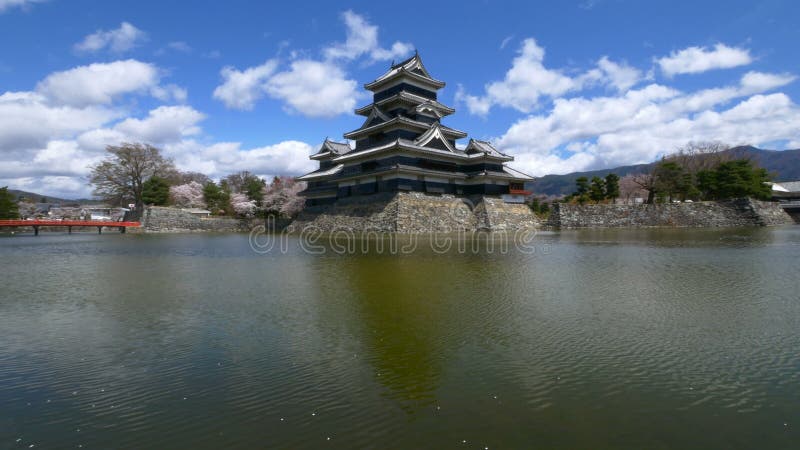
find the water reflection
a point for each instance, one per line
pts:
(604, 338)
(413, 314)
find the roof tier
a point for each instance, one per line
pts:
(406, 98)
(411, 69)
(403, 122)
(330, 149)
(415, 147)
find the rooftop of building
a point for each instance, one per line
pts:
(412, 68)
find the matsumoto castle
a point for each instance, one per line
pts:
(403, 146)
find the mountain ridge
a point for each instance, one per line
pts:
(783, 165)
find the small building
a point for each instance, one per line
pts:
(402, 145)
(197, 212)
(107, 213)
(786, 191)
(43, 209)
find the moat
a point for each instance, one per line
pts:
(597, 339)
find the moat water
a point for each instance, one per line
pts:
(597, 339)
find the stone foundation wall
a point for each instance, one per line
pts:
(157, 219)
(769, 213)
(508, 216)
(415, 212)
(734, 213)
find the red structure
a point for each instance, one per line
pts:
(100, 224)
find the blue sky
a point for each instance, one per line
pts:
(234, 85)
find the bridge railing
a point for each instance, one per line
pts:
(65, 223)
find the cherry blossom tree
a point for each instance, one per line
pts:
(283, 197)
(242, 205)
(189, 195)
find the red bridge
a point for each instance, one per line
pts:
(100, 224)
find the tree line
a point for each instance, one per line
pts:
(135, 173)
(596, 190)
(697, 171)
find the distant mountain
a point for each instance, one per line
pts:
(37, 198)
(784, 165)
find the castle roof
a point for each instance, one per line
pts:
(401, 120)
(406, 97)
(411, 146)
(330, 149)
(412, 68)
(485, 147)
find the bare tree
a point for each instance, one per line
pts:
(197, 177)
(629, 189)
(702, 155)
(120, 177)
(647, 182)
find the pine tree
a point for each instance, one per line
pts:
(612, 186)
(155, 191)
(597, 190)
(8, 207)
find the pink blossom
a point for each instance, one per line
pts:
(189, 195)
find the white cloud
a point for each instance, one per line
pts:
(169, 92)
(65, 158)
(586, 133)
(619, 75)
(163, 124)
(241, 89)
(479, 106)
(99, 83)
(174, 129)
(118, 40)
(48, 141)
(759, 81)
(8, 4)
(222, 158)
(362, 39)
(27, 120)
(701, 59)
(180, 46)
(586, 130)
(314, 89)
(68, 187)
(528, 81)
(308, 86)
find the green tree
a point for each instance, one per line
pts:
(254, 189)
(581, 186)
(155, 191)
(707, 184)
(597, 190)
(535, 206)
(733, 179)
(119, 179)
(246, 183)
(669, 179)
(689, 187)
(8, 207)
(217, 198)
(612, 186)
(544, 209)
(582, 190)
